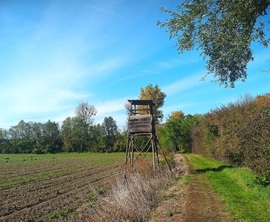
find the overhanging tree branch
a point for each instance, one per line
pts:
(223, 30)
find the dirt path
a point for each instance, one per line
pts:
(190, 201)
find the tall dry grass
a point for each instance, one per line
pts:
(131, 196)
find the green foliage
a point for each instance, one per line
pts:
(120, 141)
(175, 133)
(109, 131)
(167, 196)
(262, 179)
(155, 94)
(237, 134)
(62, 213)
(96, 139)
(31, 138)
(222, 32)
(77, 134)
(169, 213)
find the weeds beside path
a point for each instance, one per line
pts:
(191, 199)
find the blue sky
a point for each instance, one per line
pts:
(55, 54)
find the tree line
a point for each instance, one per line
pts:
(237, 133)
(76, 134)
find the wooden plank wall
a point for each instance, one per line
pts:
(140, 124)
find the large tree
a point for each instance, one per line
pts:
(75, 135)
(85, 112)
(155, 94)
(109, 129)
(21, 137)
(175, 134)
(223, 31)
(51, 137)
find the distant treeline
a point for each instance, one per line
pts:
(74, 135)
(237, 133)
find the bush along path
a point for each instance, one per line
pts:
(209, 190)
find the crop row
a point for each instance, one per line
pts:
(36, 195)
(54, 197)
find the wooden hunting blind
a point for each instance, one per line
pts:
(141, 123)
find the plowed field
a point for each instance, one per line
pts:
(50, 187)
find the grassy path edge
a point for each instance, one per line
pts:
(243, 199)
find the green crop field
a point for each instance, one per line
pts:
(52, 186)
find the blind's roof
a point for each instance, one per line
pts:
(141, 102)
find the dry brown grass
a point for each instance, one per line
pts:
(132, 196)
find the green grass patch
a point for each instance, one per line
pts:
(243, 198)
(169, 213)
(63, 213)
(185, 180)
(166, 196)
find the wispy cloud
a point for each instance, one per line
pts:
(171, 63)
(111, 106)
(108, 9)
(114, 108)
(105, 67)
(50, 72)
(176, 62)
(183, 84)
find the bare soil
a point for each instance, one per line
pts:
(37, 200)
(192, 201)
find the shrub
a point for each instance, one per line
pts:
(237, 134)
